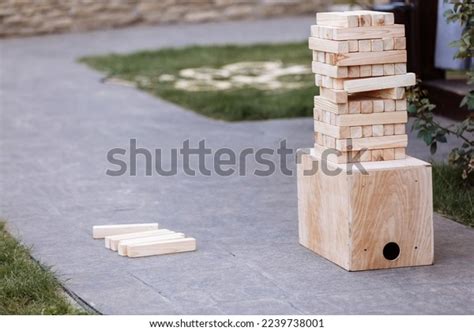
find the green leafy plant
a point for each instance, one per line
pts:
(431, 131)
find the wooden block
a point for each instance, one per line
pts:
(353, 71)
(367, 131)
(318, 80)
(399, 128)
(332, 130)
(124, 245)
(377, 130)
(326, 81)
(325, 45)
(329, 141)
(391, 203)
(366, 71)
(378, 83)
(388, 69)
(333, 155)
(371, 119)
(401, 105)
(388, 44)
(362, 156)
(319, 138)
(400, 153)
(389, 154)
(399, 43)
(356, 132)
(337, 108)
(338, 19)
(326, 117)
(366, 58)
(364, 46)
(391, 93)
(382, 18)
(365, 17)
(377, 70)
(389, 105)
(366, 106)
(162, 247)
(388, 130)
(112, 242)
(400, 68)
(335, 96)
(377, 155)
(333, 118)
(366, 32)
(376, 45)
(330, 58)
(101, 231)
(353, 46)
(392, 141)
(378, 106)
(355, 107)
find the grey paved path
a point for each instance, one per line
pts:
(57, 123)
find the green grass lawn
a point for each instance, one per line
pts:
(450, 197)
(25, 287)
(235, 104)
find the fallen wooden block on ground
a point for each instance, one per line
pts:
(101, 231)
(112, 242)
(125, 244)
(162, 247)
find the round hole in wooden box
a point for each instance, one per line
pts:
(391, 251)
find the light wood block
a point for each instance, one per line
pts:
(162, 247)
(400, 153)
(354, 71)
(355, 107)
(123, 245)
(367, 58)
(399, 43)
(377, 155)
(364, 46)
(377, 70)
(325, 45)
(401, 105)
(332, 130)
(366, 106)
(388, 69)
(392, 203)
(371, 119)
(338, 19)
(376, 45)
(367, 131)
(335, 96)
(337, 108)
(112, 242)
(399, 128)
(379, 83)
(366, 71)
(389, 154)
(389, 105)
(388, 44)
(366, 32)
(400, 68)
(391, 93)
(392, 141)
(377, 18)
(356, 132)
(102, 231)
(388, 130)
(378, 106)
(377, 130)
(353, 46)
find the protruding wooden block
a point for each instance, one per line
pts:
(379, 83)
(112, 242)
(124, 245)
(378, 219)
(101, 231)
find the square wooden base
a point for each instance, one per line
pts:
(378, 218)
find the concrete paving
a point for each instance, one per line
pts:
(57, 123)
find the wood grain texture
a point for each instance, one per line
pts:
(337, 218)
(112, 242)
(162, 247)
(366, 32)
(335, 96)
(368, 58)
(124, 245)
(337, 108)
(325, 45)
(383, 142)
(371, 119)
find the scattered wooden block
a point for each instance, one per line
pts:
(101, 231)
(378, 83)
(162, 247)
(366, 32)
(123, 245)
(325, 45)
(112, 242)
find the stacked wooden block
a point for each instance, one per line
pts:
(137, 240)
(359, 59)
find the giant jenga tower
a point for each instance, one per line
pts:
(362, 202)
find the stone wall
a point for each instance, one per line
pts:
(31, 17)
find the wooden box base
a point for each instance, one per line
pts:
(378, 218)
